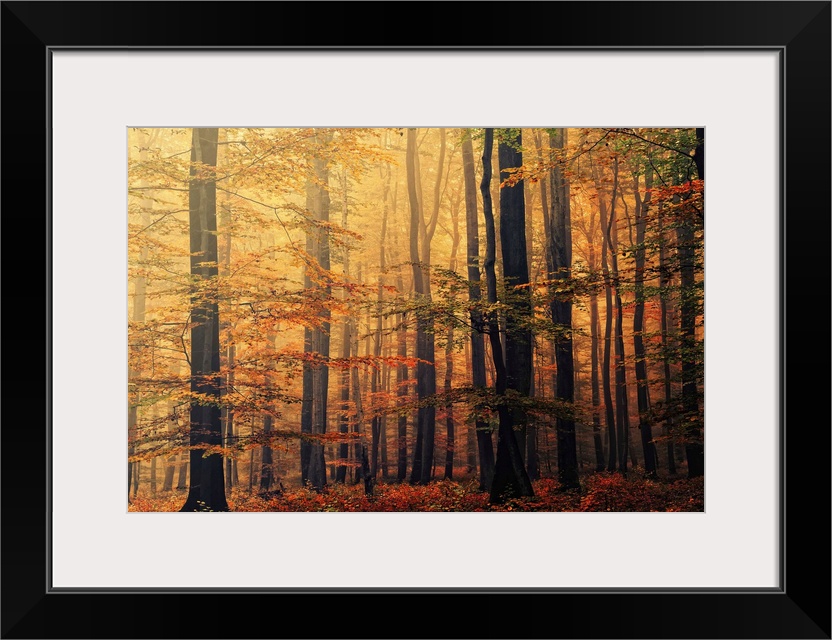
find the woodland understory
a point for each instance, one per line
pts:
(416, 319)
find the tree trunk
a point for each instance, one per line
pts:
(346, 342)
(307, 393)
(449, 360)
(385, 386)
(596, 395)
(425, 371)
(227, 413)
(429, 427)
(207, 490)
(266, 459)
(664, 292)
(360, 451)
(182, 478)
(621, 399)
(318, 202)
(510, 477)
(153, 476)
(170, 461)
(609, 409)
(401, 387)
(485, 448)
(561, 308)
(642, 383)
(685, 242)
(374, 384)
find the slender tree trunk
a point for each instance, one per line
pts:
(425, 371)
(360, 452)
(374, 385)
(643, 388)
(153, 476)
(182, 478)
(251, 461)
(266, 458)
(609, 409)
(485, 447)
(621, 402)
(227, 414)
(596, 395)
(664, 292)
(170, 461)
(530, 449)
(346, 342)
(401, 388)
(429, 426)
(385, 385)
(207, 490)
(510, 477)
(561, 308)
(318, 203)
(449, 360)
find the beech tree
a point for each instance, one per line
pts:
(510, 477)
(560, 243)
(207, 487)
(485, 447)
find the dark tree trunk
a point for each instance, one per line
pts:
(689, 296)
(621, 401)
(449, 408)
(307, 393)
(510, 477)
(561, 307)
(485, 448)
(609, 409)
(450, 427)
(429, 425)
(425, 371)
(317, 203)
(664, 292)
(699, 153)
(643, 388)
(596, 394)
(207, 490)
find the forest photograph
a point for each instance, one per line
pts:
(415, 319)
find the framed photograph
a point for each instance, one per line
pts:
(97, 93)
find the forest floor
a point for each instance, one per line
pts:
(599, 492)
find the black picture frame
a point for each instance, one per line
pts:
(800, 608)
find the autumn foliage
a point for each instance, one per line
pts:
(603, 492)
